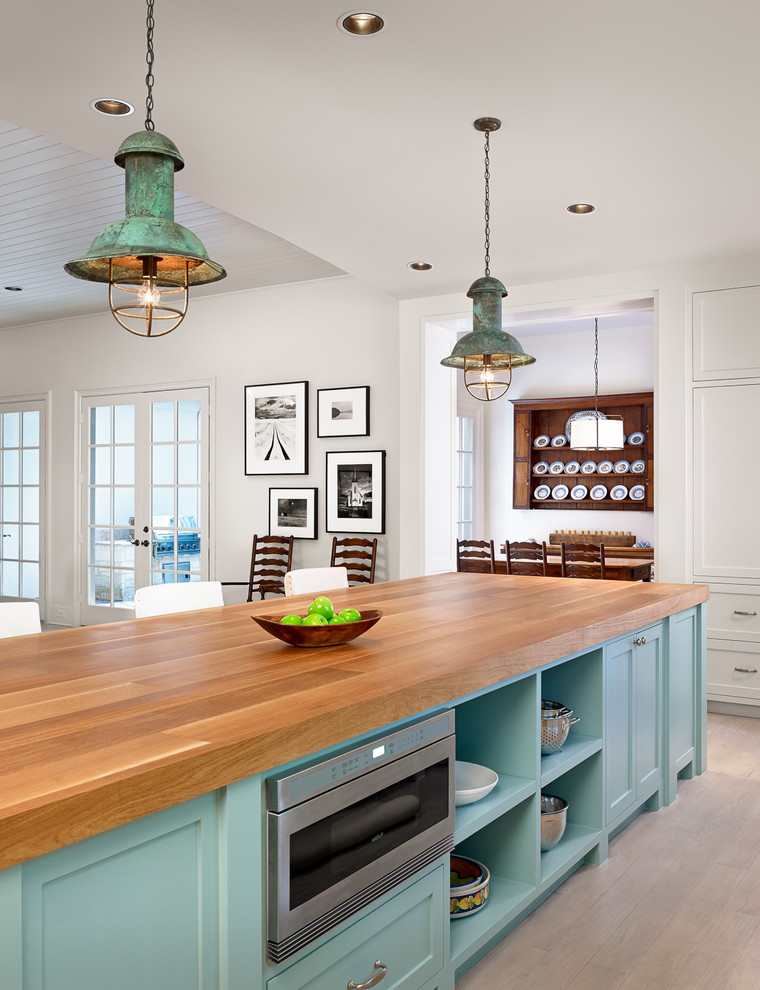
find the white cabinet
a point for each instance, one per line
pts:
(726, 337)
(726, 480)
(726, 475)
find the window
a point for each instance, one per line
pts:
(465, 474)
(21, 508)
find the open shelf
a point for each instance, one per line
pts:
(576, 843)
(575, 750)
(508, 793)
(505, 901)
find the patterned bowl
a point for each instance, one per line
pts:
(469, 886)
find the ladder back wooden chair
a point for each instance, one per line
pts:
(358, 556)
(526, 558)
(476, 555)
(581, 560)
(271, 559)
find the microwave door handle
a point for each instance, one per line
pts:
(373, 982)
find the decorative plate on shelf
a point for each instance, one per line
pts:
(622, 467)
(638, 467)
(637, 492)
(637, 439)
(542, 492)
(541, 467)
(572, 467)
(542, 441)
(559, 492)
(588, 467)
(556, 467)
(579, 492)
(583, 414)
(559, 441)
(604, 467)
(618, 492)
(598, 492)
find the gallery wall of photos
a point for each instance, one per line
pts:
(277, 434)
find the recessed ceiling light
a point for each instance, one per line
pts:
(361, 22)
(112, 108)
(420, 266)
(13, 288)
(580, 208)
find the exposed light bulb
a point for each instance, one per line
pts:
(148, 295)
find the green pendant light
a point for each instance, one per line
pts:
(487, 354)
(148, 260)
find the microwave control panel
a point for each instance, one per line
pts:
(285, 791)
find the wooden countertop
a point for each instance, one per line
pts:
(104, 724)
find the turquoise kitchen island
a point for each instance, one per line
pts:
(132, 839)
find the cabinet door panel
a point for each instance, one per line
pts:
(726, 480)
(618, 740)
(726, 343)
(648, 674)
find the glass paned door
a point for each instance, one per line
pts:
(21, 501)
(146, 506)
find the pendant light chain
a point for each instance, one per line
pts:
(596, 368)
(149, 80)
(487, 208)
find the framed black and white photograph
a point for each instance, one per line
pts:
(343, 412)
(277, 428)
(293, 512)
(355, 491)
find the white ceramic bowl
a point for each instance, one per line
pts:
(472, 782)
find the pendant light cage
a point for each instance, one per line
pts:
(148, 260)
(597, 431)
(487, 354)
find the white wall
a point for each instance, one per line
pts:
(668, 286)
(331, 333)
(564, 366)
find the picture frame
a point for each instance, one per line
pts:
(343, 412)
(293, 512)
(355, 483)
(277, 428)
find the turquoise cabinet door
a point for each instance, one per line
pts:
(136, 907)
(648, 665)
(619, 752)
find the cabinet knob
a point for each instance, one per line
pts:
(741, 611)
(373, 982)
(640, 641)
(746, 670)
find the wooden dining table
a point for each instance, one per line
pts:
(615, 568)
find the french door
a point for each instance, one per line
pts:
(22, 489)
(145, 484)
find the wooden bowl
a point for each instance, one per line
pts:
(307, 636)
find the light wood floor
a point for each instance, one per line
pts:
(677, 904)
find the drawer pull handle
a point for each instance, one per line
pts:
(640, 641)
(740, 611)
(380, 975)
(746, 670)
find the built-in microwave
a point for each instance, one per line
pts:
(343, 831)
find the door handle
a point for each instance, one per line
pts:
(373, 982)
(138, 543)
(746, 670)
(740, 611)
(640, 641)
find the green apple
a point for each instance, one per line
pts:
(315, 619)
(335, 621)
(321, 606)
(291, 620)
(349, 615)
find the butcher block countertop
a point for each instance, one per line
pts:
(104, 724)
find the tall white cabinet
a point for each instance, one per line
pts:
(725, 392)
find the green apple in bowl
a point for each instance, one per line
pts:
(315, 619)
(349, 615)
(321, 606)
(291, 620)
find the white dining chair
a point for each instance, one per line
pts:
(308, 580)
(19, 618)
(185, 596)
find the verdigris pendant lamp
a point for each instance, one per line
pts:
(148, 260)
(487, 354)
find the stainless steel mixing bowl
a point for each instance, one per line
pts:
(553, 820)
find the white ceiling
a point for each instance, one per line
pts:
(361, 151)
